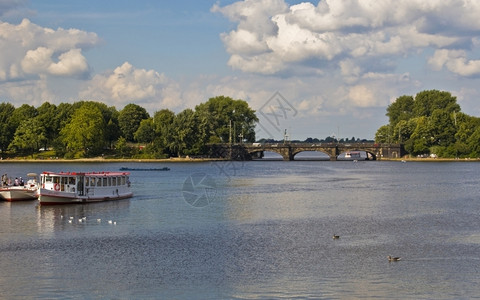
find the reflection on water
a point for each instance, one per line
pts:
(266, 234)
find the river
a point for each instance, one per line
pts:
(252, 230)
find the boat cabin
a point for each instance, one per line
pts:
(83, 184)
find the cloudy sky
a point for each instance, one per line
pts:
(315, 69)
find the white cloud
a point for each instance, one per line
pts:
(455, 61)
(29, 50)
(272, 38)
(362, 96)
(127, 84)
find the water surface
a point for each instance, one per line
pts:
(259, 230)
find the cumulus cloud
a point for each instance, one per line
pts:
(272, 37)
(127, 84)
(455, 61)
(29, 51)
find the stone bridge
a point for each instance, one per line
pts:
(288, 151)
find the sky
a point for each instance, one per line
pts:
(309, 69)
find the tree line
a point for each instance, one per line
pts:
(89, 129)
(431, 123)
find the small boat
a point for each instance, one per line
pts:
(79, 187)
(144, 169)
(20, 191)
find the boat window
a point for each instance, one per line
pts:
(56, 179)
(109, 181)
(105, 181)
(71, 180)
(92, 181)
(87, 181)
(64, 180)
(114, 181)
(123, 180)
(99, 181)
(48, 178)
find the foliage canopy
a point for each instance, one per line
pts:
(89, 128)
(431, 122)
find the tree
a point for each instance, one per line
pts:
(62, 117)
(46, 120)
(400, 110)
(428, 101)
(130, 118)
(122, 147)
(224, 119)
(29, 135)
(145, 132)
(431, 123)
(86, 130)
(112, 132)
(185, 132)
(383, 134)
(6, 129)
(164, 127)
(22, 113)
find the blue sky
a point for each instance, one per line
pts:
(336, 65)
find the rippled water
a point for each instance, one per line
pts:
(253, 230)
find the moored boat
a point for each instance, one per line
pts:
(19, 191)
(79, 187)
(144, 169)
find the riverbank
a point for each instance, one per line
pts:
(104, 160)
(433, 159)
(194, 160)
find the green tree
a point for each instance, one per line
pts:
(432, 123)
(420, 140)
(22, 113)
(6, 129)
(130, 118)
(145, 132)
(112, 132)
(164, 131)
(62, 117)
(428, 101)
(185, 132)
(86, 130)
(122, 147)
(442, 127)
(383, 134)
(29, 136)
(400, 110)
(226, 120)
(46, 120)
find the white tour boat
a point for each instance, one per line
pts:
(19, 190)
(79, 187)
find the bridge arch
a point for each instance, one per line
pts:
(316, 155)
(356, 154)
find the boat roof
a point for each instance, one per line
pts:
(98, 174)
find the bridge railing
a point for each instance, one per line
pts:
(370, 145)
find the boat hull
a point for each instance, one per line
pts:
(12, 194)
(47, 197)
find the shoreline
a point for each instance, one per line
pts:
(115, 160)
(198, 160)
(432, 159)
